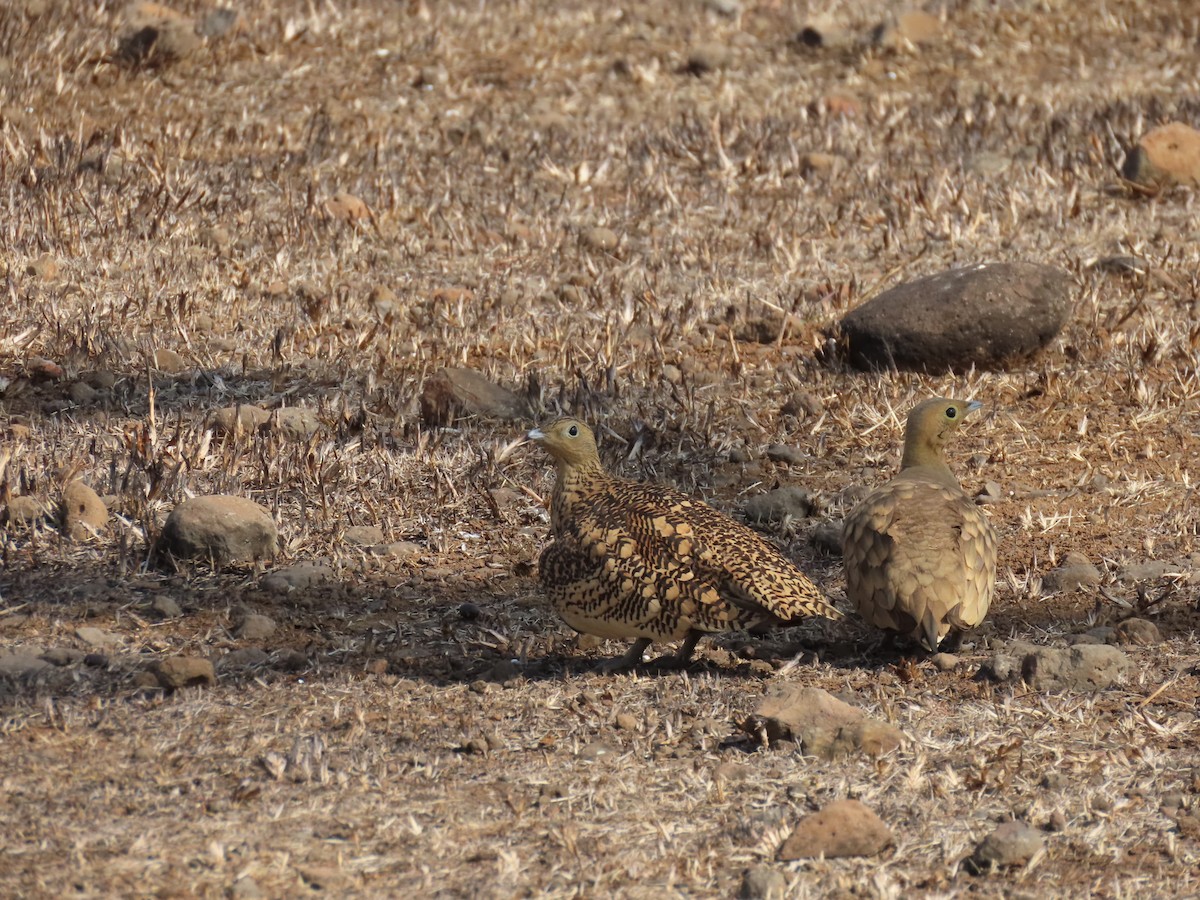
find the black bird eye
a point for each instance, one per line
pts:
(573, 431)
(951, 412)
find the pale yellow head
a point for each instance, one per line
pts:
(930, 426)
(569, 441)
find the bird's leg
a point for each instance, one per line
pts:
(952, 642)
(681, 657)
(684, 654)
(633, 656)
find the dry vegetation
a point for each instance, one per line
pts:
(184, 208)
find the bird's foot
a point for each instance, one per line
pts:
(631, 659)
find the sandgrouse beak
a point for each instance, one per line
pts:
(971, 407)
(536, 435)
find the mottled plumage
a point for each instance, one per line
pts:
(644, 561)
(920, 557)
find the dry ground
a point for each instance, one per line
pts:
(182, 205)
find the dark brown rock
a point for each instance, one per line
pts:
(983, 316)
(843, 828)
(223, 529)
(452, 393)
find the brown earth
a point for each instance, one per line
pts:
(325, 204)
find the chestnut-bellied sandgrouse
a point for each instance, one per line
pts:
(920, 557)
(644, 561)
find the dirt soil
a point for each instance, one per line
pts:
(421, 724)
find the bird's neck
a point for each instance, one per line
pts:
(574, 481)
(929, 466)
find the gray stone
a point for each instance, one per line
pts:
(779, 504)
(295, 423)
(821, 724)
(25, 510)
(21, 664)
(827, 537)
(785, 454)
(1151, 570)
(1168, 154)
(255, 627)
(1086, 667)
(1012, 844)
(1076, 572)
(223, 529)
(602, 239)
(297, 577)
(166, 607)
(945, 662)
(983, 316)
(763, 883)
(363, 535)
(843, 828)
(245, 418)
(63, 656)
(153, 35)
(98, 637)
(1140, 632)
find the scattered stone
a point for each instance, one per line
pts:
(169, 361)
(44, 268)
(785, 454)
(166, 607)
(63, 656)
(219, 528)
(82, 512)
(843, 828)
(469, 612)
(1075, 573)
(245, 417)
(1084, 667)
(988, 164)
(983, 316)
(1139, 632)
(101, 379)
(404, 549)
(453, 393)
(802, 402)
(18, 664)
(759, 330)
(98, 637)
(763, 883)
(596, 750)
(739, 455)
(246, 888)
(991, 493)
(255, 627)
(821, 724)
(325, 878)
(1012, 844)
(779, 504)
(502, 672)
(1122, 265)
(1102, 634)
(1151, 570)
(343, 207)
(945, 662)
(1057, 821)
(25, 510)
(243, 658)
(297, 577)
(96, 660)
(184, 671)
(383, 300)
(708, 57)
(153, 35)
(290, 661)
(82, 393)
(377, 666)
(827, 537)
(1168, 154)
(363, 535)
(724, 7)
(295, 423)
(600, 239)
